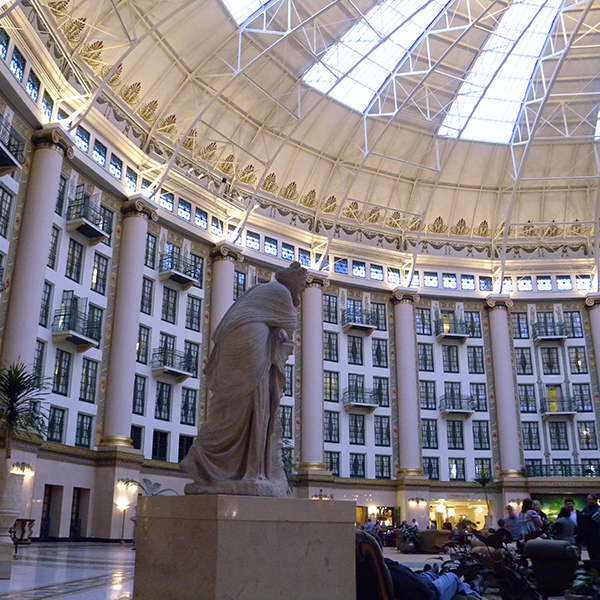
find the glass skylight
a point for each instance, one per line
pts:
(489, 101)
(242, 9)
(355, 68)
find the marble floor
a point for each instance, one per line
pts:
(77, 571)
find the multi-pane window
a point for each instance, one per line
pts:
(523, 361)
(271, 246)
(39, 360)
(185, 443)
(83, 431)
(331, 386)
(582, 397)
(136, 435)
(166, 200)
(143, 345)
(456, 467)
(150, 254)
(357, 465)
(4, 41)
(454, 432)
(478, 393)
(340, 265)
(383, 466)
(429, 434)
(5, 204)
(162, 408)
(423, 321)
(56, 424)
(288, 252)
(355, 350)
(550, 364)
(425, 357)
(379, 316)
(356, 425)
(381, 391)
(427, 395)
(481, 435)
(82, 139)
(558, 435)
(286, 416)
(356, 387)
(46, 304)
(475, 359)
(160, 445)
(131, 179)
(99, 274)
(561, 467)
(253, 240)
(330, 312)
(288, 386)
(586, 431)
(591, 466)
(573, 324)
(354, 310)
(527, 398)
(17, 64)
(147, 296)
(577, 360)
(62, 372)
(184, 209)
(99, 153)
(197, 267)
(53, 251)
(382, 430)
(239, 284)
(188, 406)
(74, 261)
(330, 346)
(60, 198)
(380, 354)
(520, 328)
(450, 358)
(473, 323)
(332, 462)
(531, 435)
(483, 465)
(169, 305)
(201, 218)
(331, 426)
(193, 313)
(431, 468)
(105, 222)
(116, 166)
(533, 467)
(192, 353)
(139, 395)
(89, 378)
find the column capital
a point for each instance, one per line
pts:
(53, 137)
(317, 279)
(224, 250)
(592, 300)
(498, 302)
(137, 205)
(404, 295)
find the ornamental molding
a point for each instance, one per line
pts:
(139, 206)
(592, 300)
(499, 301)
(53, 136)
(404, 295)
(226, 251)
(317, 279)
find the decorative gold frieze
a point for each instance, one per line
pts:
(330, 205)
(148, 111)
(227, 165)
(290, 191)
(270, 183)
(247, 175)
(131, 93)
(309, 200)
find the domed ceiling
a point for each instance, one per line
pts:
(193, 87)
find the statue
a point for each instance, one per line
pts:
(238, 447)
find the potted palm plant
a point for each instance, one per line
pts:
(20, 416)
(586, 585)
(408, 538)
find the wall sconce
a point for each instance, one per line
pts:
(22, 468)
(441, 508)
(126, 483)
(321, 496)
(416, 501)
(515, 502)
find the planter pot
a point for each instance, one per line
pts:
(11, 486)
(407, 547)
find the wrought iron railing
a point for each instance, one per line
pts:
(457, 402)
(83, 208)
(172, 262)
(174, 359)
(359, 317)
(453, 327)
(557, 406)
(576, 470)
(548, 330)
(79, 322)
(14, 143)
(359, 395)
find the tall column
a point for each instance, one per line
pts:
(27, 287)
(224, 256)
(504, 385)
(312, 373)
(592, 301)
(126, 319)
(407, 378)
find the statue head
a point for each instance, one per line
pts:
(294, 279)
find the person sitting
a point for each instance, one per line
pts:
(502, 533)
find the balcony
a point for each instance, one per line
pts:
(174, 268)
(359, 400)
(86, 218)
(576, 470)
(76, 327)
(452, 329)
(174, 364)
(549, 332)
(457, 405)
(563, 407)
(12, 148)
(362, 320)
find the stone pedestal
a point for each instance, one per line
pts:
(211, 547)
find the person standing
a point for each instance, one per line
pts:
(565, 528)
(589, 529)
(513, 523)
(537, 506)
(531, 522)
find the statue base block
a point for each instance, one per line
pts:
(223, 547)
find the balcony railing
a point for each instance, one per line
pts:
(549, 331)
(358, 397)
(77, 327)
(15, 145)
(457, 404)
(172, 362)
(172, 266)
(88, 219)
(453, 328)
(559, 406)
(576, 470)
(364, 320)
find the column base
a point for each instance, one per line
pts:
(312, 467)
(116, 441)
(511, 473)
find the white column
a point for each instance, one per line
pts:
(407, 381)
(27, 286)
(312, 374)
(592, 301)
(125, 326)
(507, 410)
(221, 296)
